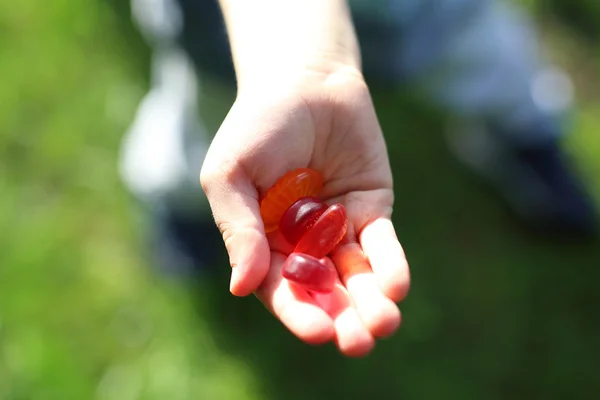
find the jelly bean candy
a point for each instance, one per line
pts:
(300, 217)
(310, 273)
(327, 231)
(301, 182)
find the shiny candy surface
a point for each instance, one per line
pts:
(300, 217)
(310, 273)
(325, 234)
(301, 182)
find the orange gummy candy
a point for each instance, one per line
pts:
(287, 190)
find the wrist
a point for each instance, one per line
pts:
(302, 76)
(276, 42)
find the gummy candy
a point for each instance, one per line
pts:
(308, 224)
(300, 217)
(325, 233)
(301, 182)
(318, 275)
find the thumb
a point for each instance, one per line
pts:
(235, 206)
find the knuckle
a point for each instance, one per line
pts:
(236, 234)
(218, 174)
(227, 232)
(207, 177)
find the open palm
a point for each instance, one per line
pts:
(330, 126)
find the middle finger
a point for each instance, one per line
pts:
(380, 314)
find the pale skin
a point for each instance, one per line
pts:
(302, 102)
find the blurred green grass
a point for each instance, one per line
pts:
(495, 312)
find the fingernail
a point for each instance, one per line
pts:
(235, 277)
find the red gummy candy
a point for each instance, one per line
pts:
(310, 273)
(325, 233)
(290, 187)
(300, 217)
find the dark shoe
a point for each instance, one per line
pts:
(188, 245)
(537, 181)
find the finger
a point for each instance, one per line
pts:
(379, 314)
(278, 243)
(294, 307)
(386, 257)
(352, 337)
(234, 203)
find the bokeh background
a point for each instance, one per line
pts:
(495, 312)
